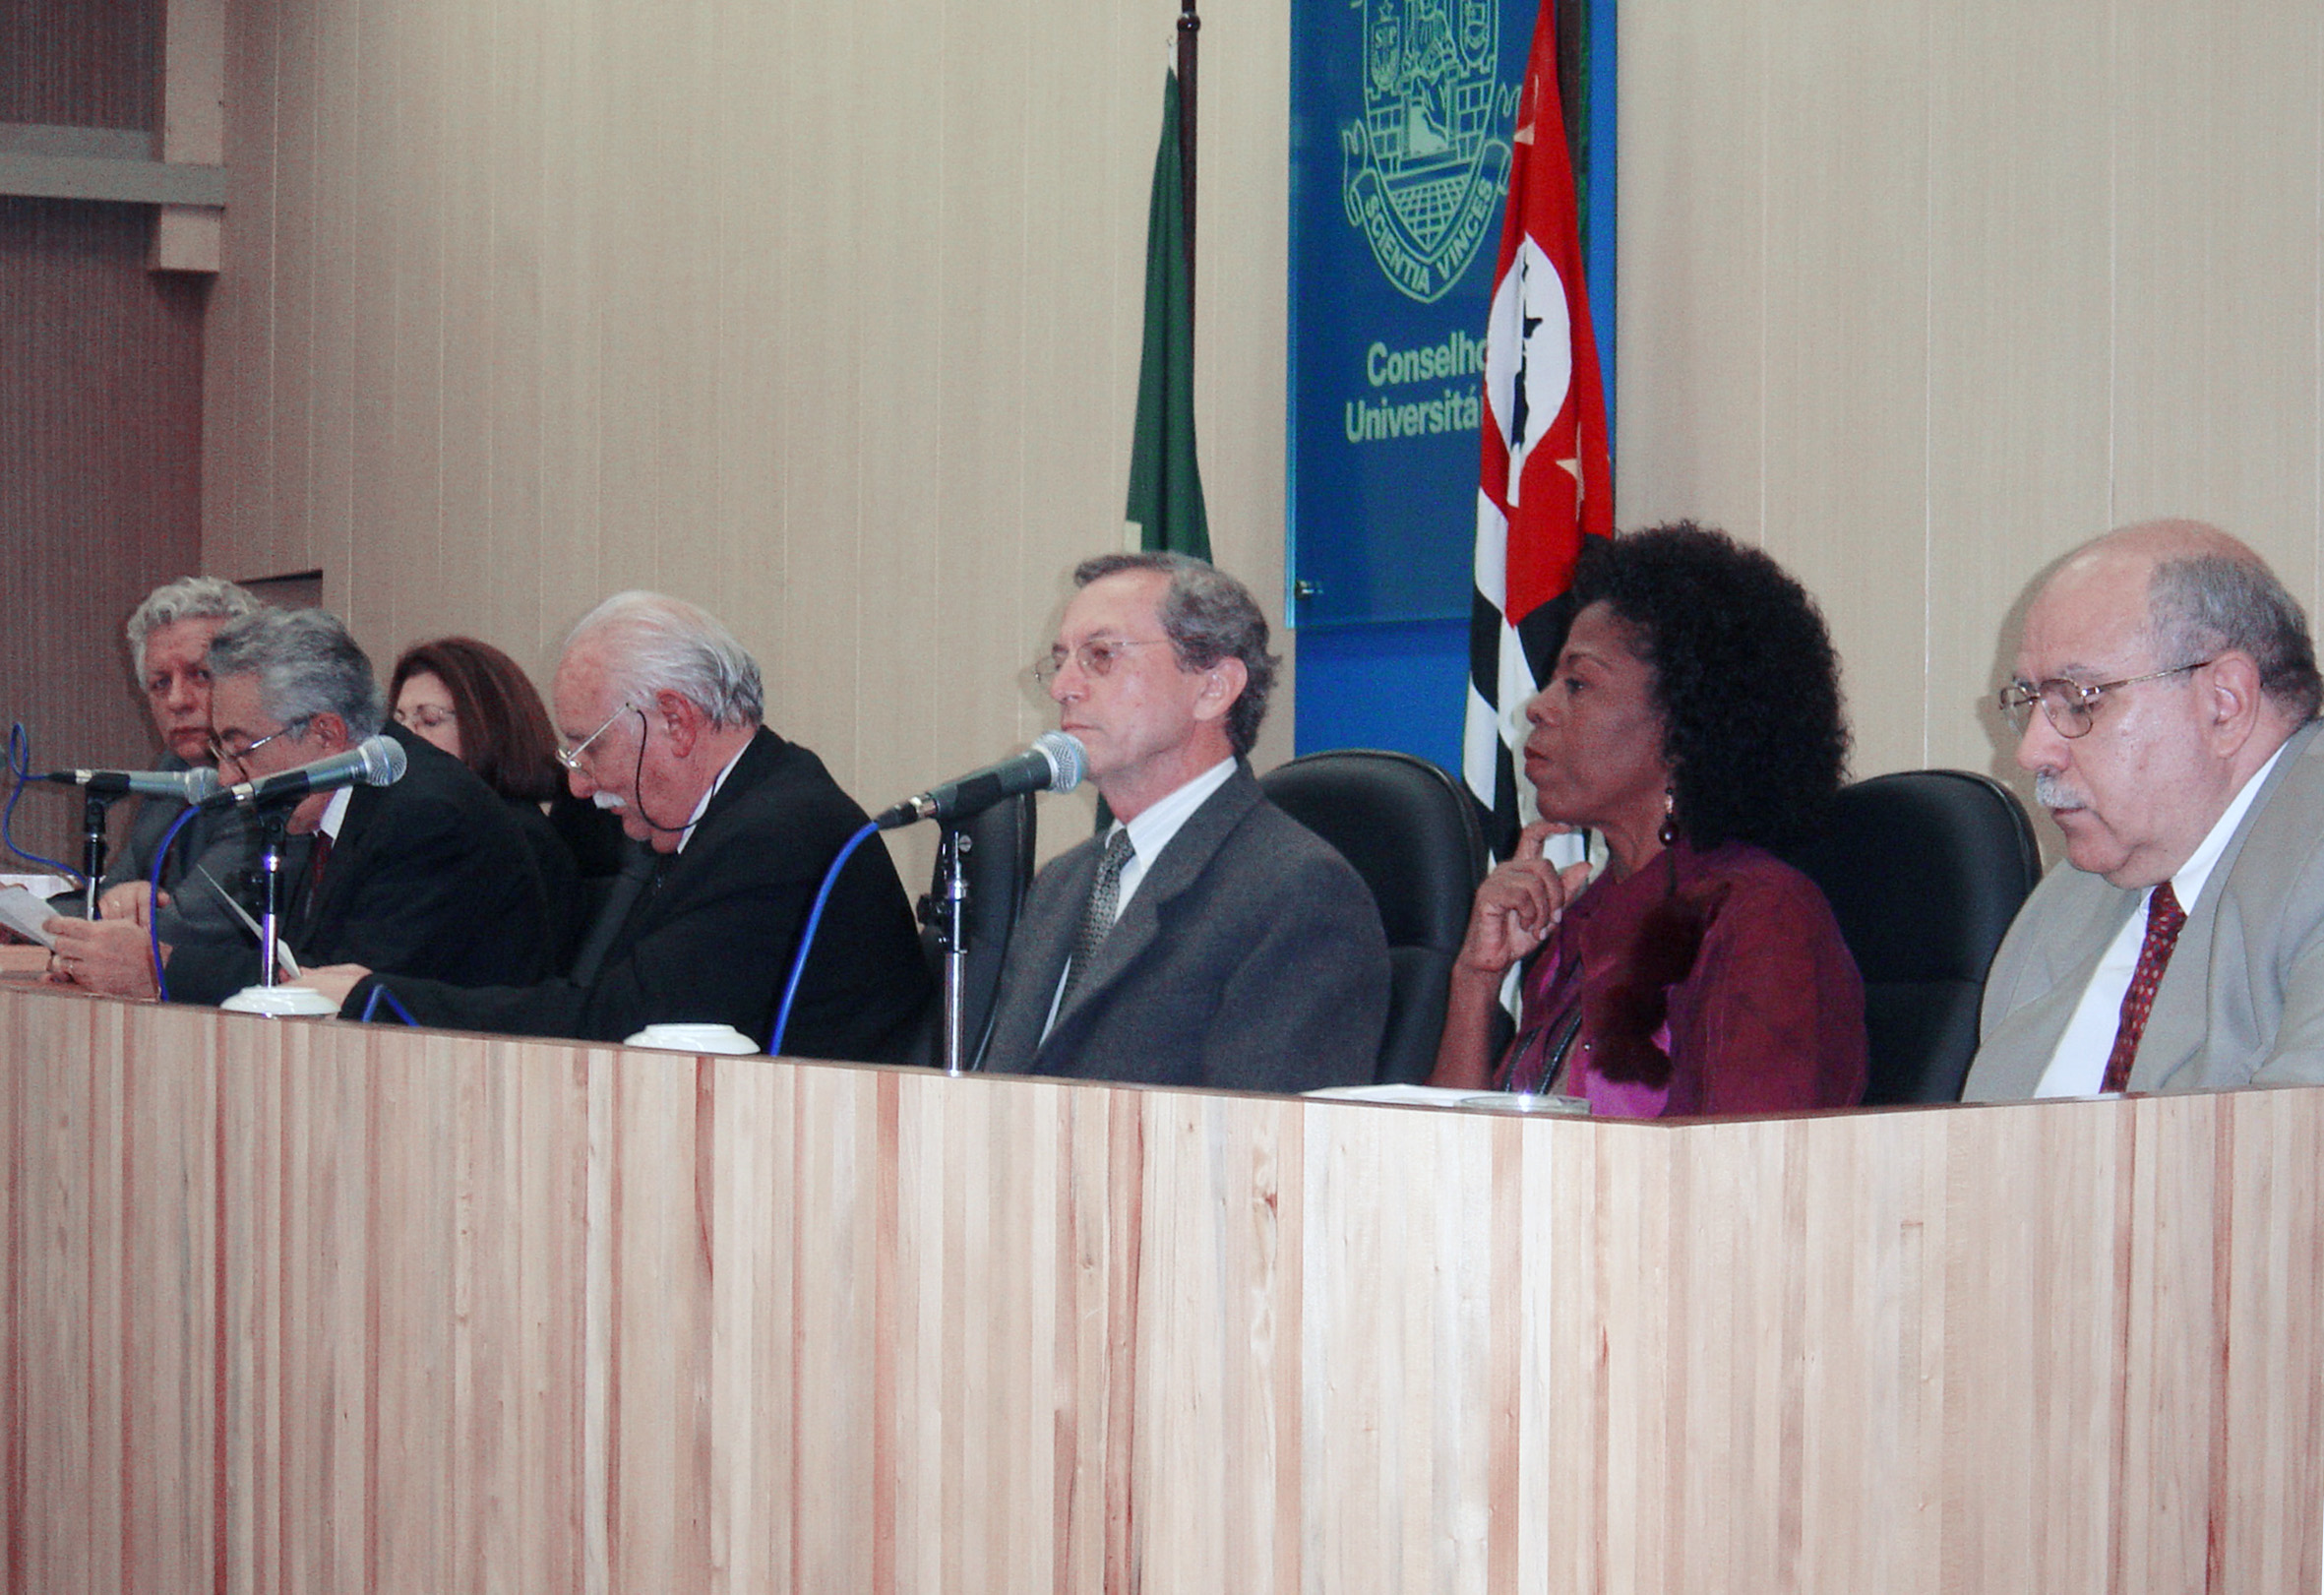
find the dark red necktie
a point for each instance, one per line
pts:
(2163, 918)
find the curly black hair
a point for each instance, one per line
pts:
(1744, 674)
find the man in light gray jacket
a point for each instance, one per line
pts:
(2167, 690)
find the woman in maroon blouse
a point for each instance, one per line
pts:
(1693, 720)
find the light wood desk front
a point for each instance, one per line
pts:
(308, 1307)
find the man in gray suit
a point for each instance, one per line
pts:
(1207, 938)
(2167, 691)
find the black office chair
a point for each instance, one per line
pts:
(1925, 870)
(999, 871)
(1411, 831)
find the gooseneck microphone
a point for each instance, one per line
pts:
(375, 762)
(188, 785)
(1056, 763)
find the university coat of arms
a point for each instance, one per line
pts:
(1422, 169)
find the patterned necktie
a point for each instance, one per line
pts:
(1097, 921)
(2163, 918)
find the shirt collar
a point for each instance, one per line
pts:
(2187, 885)
(701, 808)
(1159, 822)
(334, 813)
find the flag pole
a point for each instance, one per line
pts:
(1190, 28)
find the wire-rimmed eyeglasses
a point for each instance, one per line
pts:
(1096, 657)
(571, 757)
(2068, 705)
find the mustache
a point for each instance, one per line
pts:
(2052, 792)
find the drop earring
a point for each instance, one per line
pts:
(1669, 833)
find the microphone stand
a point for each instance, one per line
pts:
(92, 846)
(273, 819)
(946, 911)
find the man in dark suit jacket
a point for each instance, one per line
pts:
(430, 874)
(1226, 945)
(662, 710)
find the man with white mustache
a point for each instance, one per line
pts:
(2165, 694)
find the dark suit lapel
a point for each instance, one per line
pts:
(311, 908)
(1180, 865)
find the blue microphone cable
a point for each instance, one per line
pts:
(815, 918)
(19, 767)
(153, 898)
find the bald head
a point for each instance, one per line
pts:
(2196, 665)
(2205, 593)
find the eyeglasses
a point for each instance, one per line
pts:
(2068, 705)
(426, 717)
(1096, 657)
(222, 751)
(571, 757)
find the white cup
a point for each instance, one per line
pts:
(282, 1002)
(725, 1039)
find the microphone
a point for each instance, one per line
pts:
(375, 762)
(187, 785)
(1056, 763)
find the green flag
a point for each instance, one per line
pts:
(1165, 487)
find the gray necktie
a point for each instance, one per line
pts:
(1097, 921)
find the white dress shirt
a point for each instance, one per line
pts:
(1150, 833)
(2078, 1068)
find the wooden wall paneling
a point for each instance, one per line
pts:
(896, 602)
(657, 299)
(279, 540)
(238, 373)
(515, 269)
(100, 481)
(827, 389)
(2218, 156)
(345, 357)
(993, 438)
(1847, 348)
(1242, 327)
(1691, 305)
(466, 514)
(570, 462)
(738, 564)
(2019, 235)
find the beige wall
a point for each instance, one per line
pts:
(824, 314)
(1919, 296)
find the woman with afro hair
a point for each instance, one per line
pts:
(1695, 721)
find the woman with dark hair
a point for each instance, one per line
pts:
(470, 699)
(1695, 721)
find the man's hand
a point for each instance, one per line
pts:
(110, 956)
(1519, 904)
(131, 900)
(334, 981)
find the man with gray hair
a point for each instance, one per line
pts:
(1207, 938)
(168, 637)
(661, 712)
(430, 874)
(2166, 698)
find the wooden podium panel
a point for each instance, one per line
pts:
(307, 1306)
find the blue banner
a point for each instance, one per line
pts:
(1400, 119)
